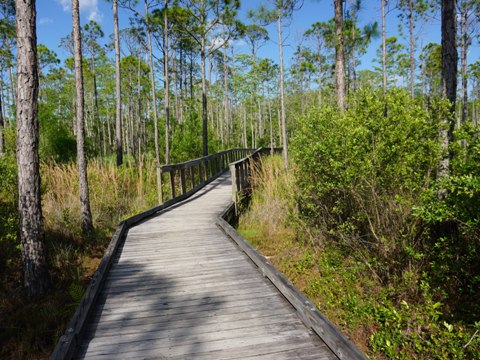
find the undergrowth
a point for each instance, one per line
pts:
(396, 318)
(30, 328)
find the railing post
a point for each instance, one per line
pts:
(172, 183)
(182, 180)
(192, 174)
(159, 185)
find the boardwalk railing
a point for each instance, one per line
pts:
(188, 177)
(200, 172)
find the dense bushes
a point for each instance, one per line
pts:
(396, 317)
(360, 173)
(370, 235)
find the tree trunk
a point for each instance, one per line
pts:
(139, 111)
(412, 49)
(95, 102)
(2, 110)
(118, 88)
(12, 87)
(339, 55)
(155, 113)
(109, 130)
(245, 144)
(29, 198)
(166, 84)
(464, 49)
(2, 125)
(86, 214)
(384, 50)
(204, 101)
(282, 92)
(226, 101)
(449, 82)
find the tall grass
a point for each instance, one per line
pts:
(115, 193)
(272, 203)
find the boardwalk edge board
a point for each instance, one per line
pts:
(313, 318)
(70, 340)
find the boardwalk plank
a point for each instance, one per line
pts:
(179, 288)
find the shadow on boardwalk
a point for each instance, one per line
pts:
(168, 314)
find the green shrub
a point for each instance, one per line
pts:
(361, 172)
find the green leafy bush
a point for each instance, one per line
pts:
(360, 172)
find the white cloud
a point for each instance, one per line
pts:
(240, 43)
(65, 4)
(44, 20)
(86, 6)
(96, 16)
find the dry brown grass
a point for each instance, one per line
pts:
(115, 193)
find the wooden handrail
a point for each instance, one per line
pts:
(189, 176)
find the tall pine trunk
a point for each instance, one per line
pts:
(449, 82)
(166, 83)
(95, 102)
(412, 48)
(155, 113)
(226, 100)
(118, 88)
(204, 100)
(2, 125)
(31, 232)
(384, 50)
(339, 55)
(282, 91)
(464, 51)
(86, 214)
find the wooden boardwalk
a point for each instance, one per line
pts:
(180, 288)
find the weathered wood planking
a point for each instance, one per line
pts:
(179, 288)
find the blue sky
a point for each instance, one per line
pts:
(54, 22)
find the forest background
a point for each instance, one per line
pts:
(383, 170)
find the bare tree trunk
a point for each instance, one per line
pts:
(109, 131)
(339, 56)
(118, 88)
(86, 214)
(464, 49)
(245, 145)
(226, 101)
(29, 199)
(2, 125)
(412, 49)
(384, 50)
(204, 100)
(139, 111)
(12, 87)
(166, 83)
(2, 110)
(282, 91)
(155, 113)
(449, 82)
(95, 102)
(178, 113)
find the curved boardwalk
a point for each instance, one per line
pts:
(180, 288)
